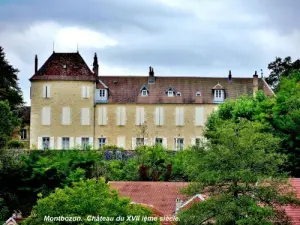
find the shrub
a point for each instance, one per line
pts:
(15, 144)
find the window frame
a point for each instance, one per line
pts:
(83, 142)
(139, 141)
(179, 146)
(198, 94)
(102, 144)
(143, 92)
(23, 133)
(159, 142)
(170, 93)
(44, 143)
(63, 140)
(178, 94)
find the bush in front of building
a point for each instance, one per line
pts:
(15, 144)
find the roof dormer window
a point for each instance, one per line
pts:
(178, 93)
(170, 93)
(198, 93)
(65, 66)
(219, 93)
(144, 91)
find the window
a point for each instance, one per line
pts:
(140, 142)
(84, 143)
(144, 93)
(140, 116)
(46, 115)
(46, 143)
(179, 143)
(23, 134)
(102, 142)
(85, 116)
(121, 116)
(46, 91)
(66, 116)
(85, 92)
(102, 116)
(102, 94)
(219, 95)
(65, 143)
(170, 93)
(158, 141)
(178, 93)
(179, 116)
(197, 141)
(159, 116)
(198, 93)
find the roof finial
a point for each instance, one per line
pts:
(53, 47)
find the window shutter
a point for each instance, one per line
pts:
(181, 116)
(71, 142)
(165, 144)
(44, 91)
(199, 116)
(146, 141)
(133, 142)
(85, 116)
(121, 141)
(91, 142)
(161, 114)
(142, 111)
(51, 142)
(104, 116)
(88, 92)
(59, 143)
(118, 115)
(66, 116)
(40, 143)
(156, 118)
(178, 116)
(100, 116)
(46, 115)
(48, 91)
(138, 116)
(193, 141)
(123, 116)
(84, 92)
(175, 144)
(78, 142)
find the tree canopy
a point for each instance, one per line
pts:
(9, 87)
(240, 175)
(86, 199)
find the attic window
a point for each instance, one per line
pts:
(198, 93)
(170, 93)
(144, 93)
(65, 66)
(178, 93)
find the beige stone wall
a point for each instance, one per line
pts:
(63, 93)
(169, 130)
(68, 93)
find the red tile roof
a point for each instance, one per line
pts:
(161, 195)
(64, 66)
(127, 89)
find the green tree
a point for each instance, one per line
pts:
(9, 87)
(84, 199)
(281, 68)
(240, 175)
(8, 122)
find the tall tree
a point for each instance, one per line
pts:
(241, 177)
(9, 87)
(281, 68)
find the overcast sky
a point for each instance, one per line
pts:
(176, 37)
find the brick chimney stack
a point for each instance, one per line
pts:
(95, 65)
(35, 64)
(229, 76)
(151, 78)
(255, 83)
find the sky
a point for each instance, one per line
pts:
(176, 37)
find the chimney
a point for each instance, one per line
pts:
(229, 76)
(151, 78)
(95, 65)
(35, 64)
(178, 204)
(255, 83)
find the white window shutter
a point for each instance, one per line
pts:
(66, 116)
(83, 92)
(85, 116)
(177, 116)
(88, 92)
(165, 143)
(46, 115)
(161, 114)
(142, 111)
(59, 143)
(123, 116)
(40, 143)
(138, 116)
(182, 116)
(71, 142)
(193, 141)
(121, 141)
(156, 118)
(100, 116)
(199, 121)
(78, 142)
(91, 142)
(133, 142)
(44, 90)
(49, 91)
(104, 116)
(118, 115)
(51, 142)
(146, 141)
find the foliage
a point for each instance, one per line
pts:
(240, 174)
(9, 88)
(110, 147)
(15, 144)
(85, 198)
(281, 68)
(8, 122)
